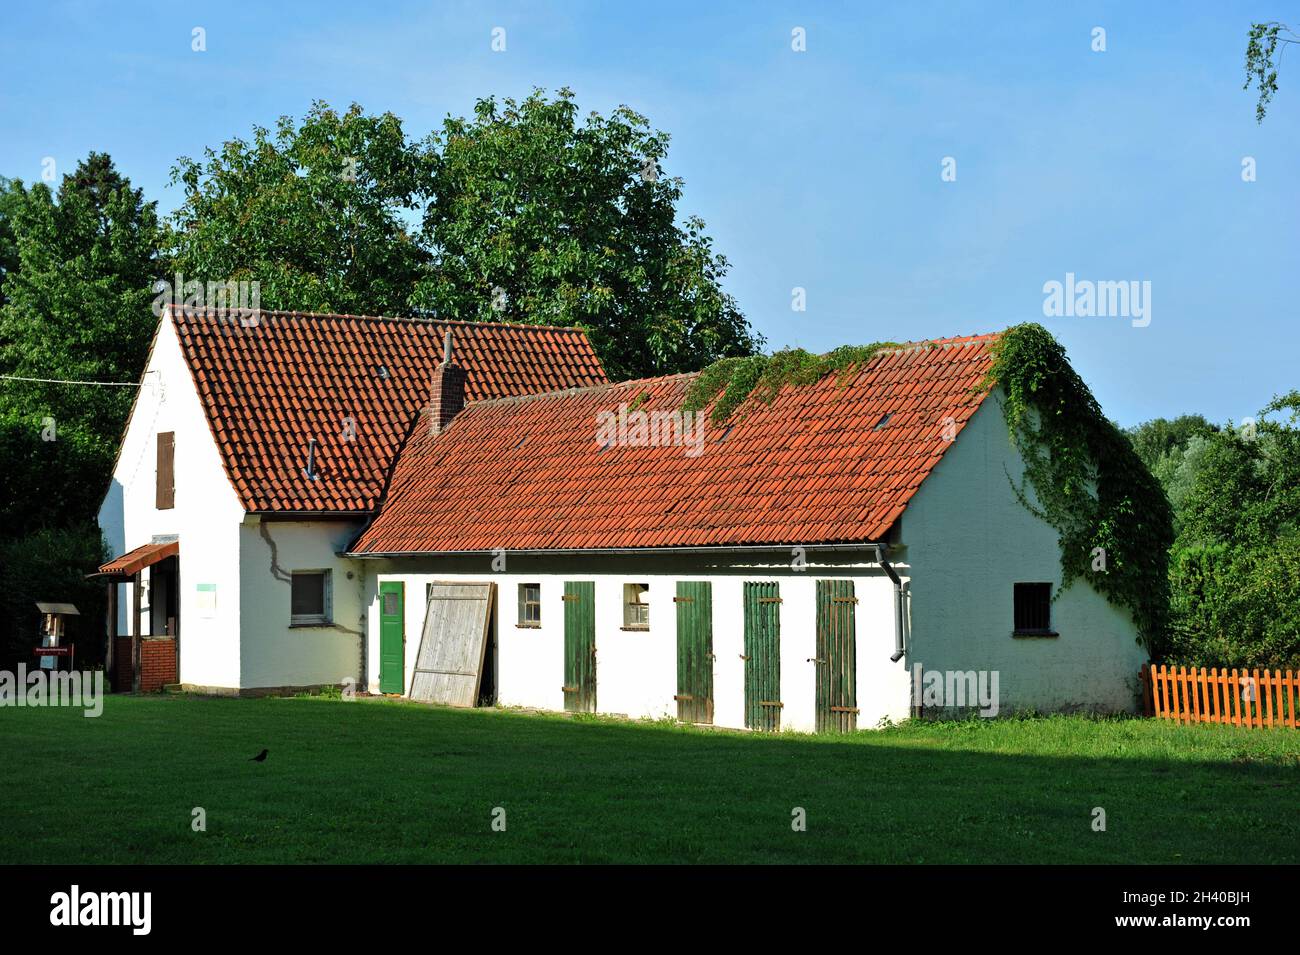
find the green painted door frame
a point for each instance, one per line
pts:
(694, 602)
(580, 646)
(392, 636)
(763, 656)
(837, 682)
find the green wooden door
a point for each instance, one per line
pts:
(694, 602)
(837, 690)
(580, 646)
(762, 656)
(392, 636)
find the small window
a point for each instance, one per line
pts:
(1033, 609)
(636, 606)
(530, 605)
(309, 599)
(165, 474)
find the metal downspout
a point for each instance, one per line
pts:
(899, 607)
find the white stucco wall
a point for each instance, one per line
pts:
(274, 653)
(968, 541)
(206, 515)
(636, 671)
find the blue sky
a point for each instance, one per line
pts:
(817, 169)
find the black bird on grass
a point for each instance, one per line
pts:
(259, 758)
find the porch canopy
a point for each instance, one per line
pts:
(134, 561)
(141, 663)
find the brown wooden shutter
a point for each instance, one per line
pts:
(165, 498)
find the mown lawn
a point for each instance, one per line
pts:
(381, 781)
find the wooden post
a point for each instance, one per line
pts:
(135, 632)
(111, 629)
(176, 625)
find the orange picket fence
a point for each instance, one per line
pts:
(1240, 697)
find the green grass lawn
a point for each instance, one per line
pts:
(381, 781)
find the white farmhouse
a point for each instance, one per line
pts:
(255, 452)
(802, 565)
(482, 518)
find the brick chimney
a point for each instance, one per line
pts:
(448, 390)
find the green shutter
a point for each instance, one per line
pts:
(763, 656)
(837, 691)
(580, 646)
(694, 602)
(392, 637)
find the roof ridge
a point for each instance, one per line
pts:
(589, 389)
(950, 342)
(903, 348)
(209, 311)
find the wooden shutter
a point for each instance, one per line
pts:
(165, 495)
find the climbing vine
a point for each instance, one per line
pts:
(1114, 521)
(732, 380)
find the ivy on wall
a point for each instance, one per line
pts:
(1114, 521)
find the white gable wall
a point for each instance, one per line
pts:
(968, 541)
(206, 515)
(636, 671)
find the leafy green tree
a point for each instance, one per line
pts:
(75, 306)
(1155, 439)
(1265, 44)
(537, 217)
(1236, 606)
(1235, 566)
(317, 214)
(50, 564)
(1177, 470)
(12, 195)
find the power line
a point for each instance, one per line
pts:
(64, 381)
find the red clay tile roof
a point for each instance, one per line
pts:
(270, 388)
(814, 466)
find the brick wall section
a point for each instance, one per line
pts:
(157, 664)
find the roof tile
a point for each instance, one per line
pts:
(269, 389)
(812, 466)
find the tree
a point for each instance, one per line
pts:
(75, 306)
(12, 195)
(539, 218)
(1235, 566)
(51, 564)
(1262, 56)
(316, 214)
(1155, 439)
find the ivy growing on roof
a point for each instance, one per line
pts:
(1086, 479)
(732, 380)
